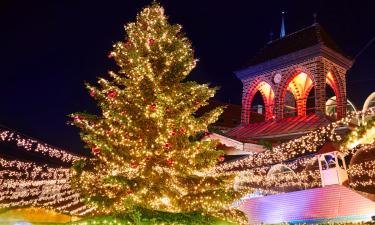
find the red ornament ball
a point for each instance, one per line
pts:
(134, 165)
(152, 106)
(148, 158)
(127, 44)
(92, 93)
(167, 145)
(173, 132)
(130, 191)
(77, 118)
(110, 55)
(182, 130)
(170, 162)
(151, 41)
(95, 150)
(112, 94)
(221, 158)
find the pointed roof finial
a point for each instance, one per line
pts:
(315, 15)
(282, 30)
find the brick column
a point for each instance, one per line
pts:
(268, 112)
(279, 101)
(320, 89)
(301, 107)
(342, 101)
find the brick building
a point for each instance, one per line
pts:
(294, 76)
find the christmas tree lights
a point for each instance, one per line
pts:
(146, 153)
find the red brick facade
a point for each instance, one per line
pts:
(321, 64)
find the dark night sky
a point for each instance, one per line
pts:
(48, 49)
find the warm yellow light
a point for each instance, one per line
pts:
(165, 200)
(300, 85)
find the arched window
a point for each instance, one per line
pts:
(337, 106)
(331, 102)
(258, 108)
(290, 105)
(259, 100)
(299, 86)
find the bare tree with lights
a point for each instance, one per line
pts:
(144, 142)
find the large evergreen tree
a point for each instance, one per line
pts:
(144, 142)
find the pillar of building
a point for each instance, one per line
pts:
(301, 106)
(320, 89)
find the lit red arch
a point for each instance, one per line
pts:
(333, 81)
(268, 95)
(299, 82)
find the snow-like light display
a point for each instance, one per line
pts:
(30, 184)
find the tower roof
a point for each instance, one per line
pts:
(304, 38)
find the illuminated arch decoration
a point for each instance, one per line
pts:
(338, 88)
(300, 87)
(299, 82)
(268, 95)
(317, 56)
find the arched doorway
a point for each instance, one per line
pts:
(337, 104)
(298, 88)
(258, 108)
(259, 101)
(290, 105)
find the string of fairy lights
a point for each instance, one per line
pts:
(29, 184)
(302, 173)
(33, 145)
(362, 174)
(253, 170)
(308, 143)
(26, 183)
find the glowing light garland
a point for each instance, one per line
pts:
(25, 183)
(28, 184)
(23, 180)
(33, 145)
(303, 145)
(363, 174)
(252, 171)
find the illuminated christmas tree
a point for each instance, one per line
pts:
(146, 145)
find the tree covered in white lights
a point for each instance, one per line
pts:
(146, 151)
